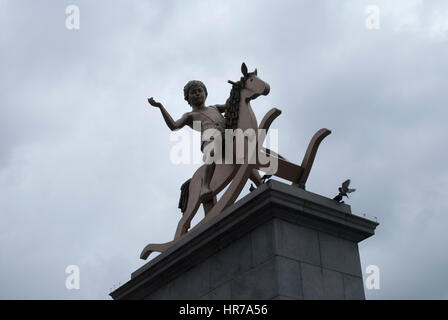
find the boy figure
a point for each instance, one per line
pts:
(210, 117)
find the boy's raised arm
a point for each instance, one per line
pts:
(173, 125)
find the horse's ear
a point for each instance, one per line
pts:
(255, 72)
(244, 69)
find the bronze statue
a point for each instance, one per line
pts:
(212, 178)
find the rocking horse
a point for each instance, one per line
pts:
(239, 115)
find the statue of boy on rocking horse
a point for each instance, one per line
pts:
(214, 176)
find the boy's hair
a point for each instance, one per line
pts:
(191, 84)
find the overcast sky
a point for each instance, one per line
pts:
(85, 171)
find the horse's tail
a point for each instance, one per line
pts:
(183, 201)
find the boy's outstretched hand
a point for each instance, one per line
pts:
(154, 103)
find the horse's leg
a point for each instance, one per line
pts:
(184, 223)
(298, 175)
(285, 169)
(154, 247)
(310, 154)
(232, 192)
(269, 152)
(255, 177)
(209, 205)
(221, 177)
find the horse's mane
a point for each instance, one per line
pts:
(233, 102)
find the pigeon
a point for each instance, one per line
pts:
(266, 177)
(251, 188)
(343, 190)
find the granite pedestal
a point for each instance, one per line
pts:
(278, 242)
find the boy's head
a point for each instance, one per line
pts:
(191, 85)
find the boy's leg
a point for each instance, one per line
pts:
(206, 191)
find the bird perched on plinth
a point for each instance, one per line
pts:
(343, 191)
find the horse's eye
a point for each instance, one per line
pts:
(251, 80)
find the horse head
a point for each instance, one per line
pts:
(239, 113)
(254, 84)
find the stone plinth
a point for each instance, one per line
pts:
(278, 242)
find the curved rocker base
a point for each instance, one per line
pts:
(155, 247)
